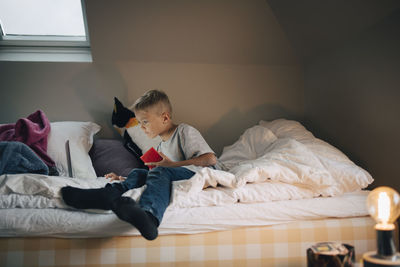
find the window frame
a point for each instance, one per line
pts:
(52, 47)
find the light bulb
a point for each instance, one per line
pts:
(383, 205)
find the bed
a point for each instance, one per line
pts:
(282, 190)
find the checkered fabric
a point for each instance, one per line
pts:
(277, 245)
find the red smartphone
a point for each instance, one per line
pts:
(151, 156)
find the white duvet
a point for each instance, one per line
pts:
(272, 161)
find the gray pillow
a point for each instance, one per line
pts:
(110, 155)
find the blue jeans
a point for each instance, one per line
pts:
(156, 197)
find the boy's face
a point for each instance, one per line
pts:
(151, 121)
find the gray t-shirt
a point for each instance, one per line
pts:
(185, 143)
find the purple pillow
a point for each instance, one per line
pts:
(110, 155)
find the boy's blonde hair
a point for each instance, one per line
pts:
(152, 98)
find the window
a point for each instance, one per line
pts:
(43, 30)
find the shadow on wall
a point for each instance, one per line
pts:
(232, 125)
(96, 89)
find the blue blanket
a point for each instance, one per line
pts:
(17, 157)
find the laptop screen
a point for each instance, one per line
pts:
(68, 154)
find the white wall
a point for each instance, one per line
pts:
(225, 64)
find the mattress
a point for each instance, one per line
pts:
(74, 223)
(275, 245)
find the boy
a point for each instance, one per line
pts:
(183, 151)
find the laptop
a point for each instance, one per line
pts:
(69, 163)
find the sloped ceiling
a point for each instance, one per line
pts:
(314, 27)
(190, 31)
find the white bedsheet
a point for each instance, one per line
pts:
(72, 223)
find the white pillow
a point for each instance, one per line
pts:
(80, 136)
(246, 148)
(284, 128)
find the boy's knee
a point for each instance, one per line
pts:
(137, 171)
(160, 169)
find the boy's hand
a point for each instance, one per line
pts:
(112, 176)
(205, 160)
(165, 162)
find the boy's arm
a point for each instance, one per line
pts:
(205, 160)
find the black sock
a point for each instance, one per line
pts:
(127, 210)
(99, 198)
